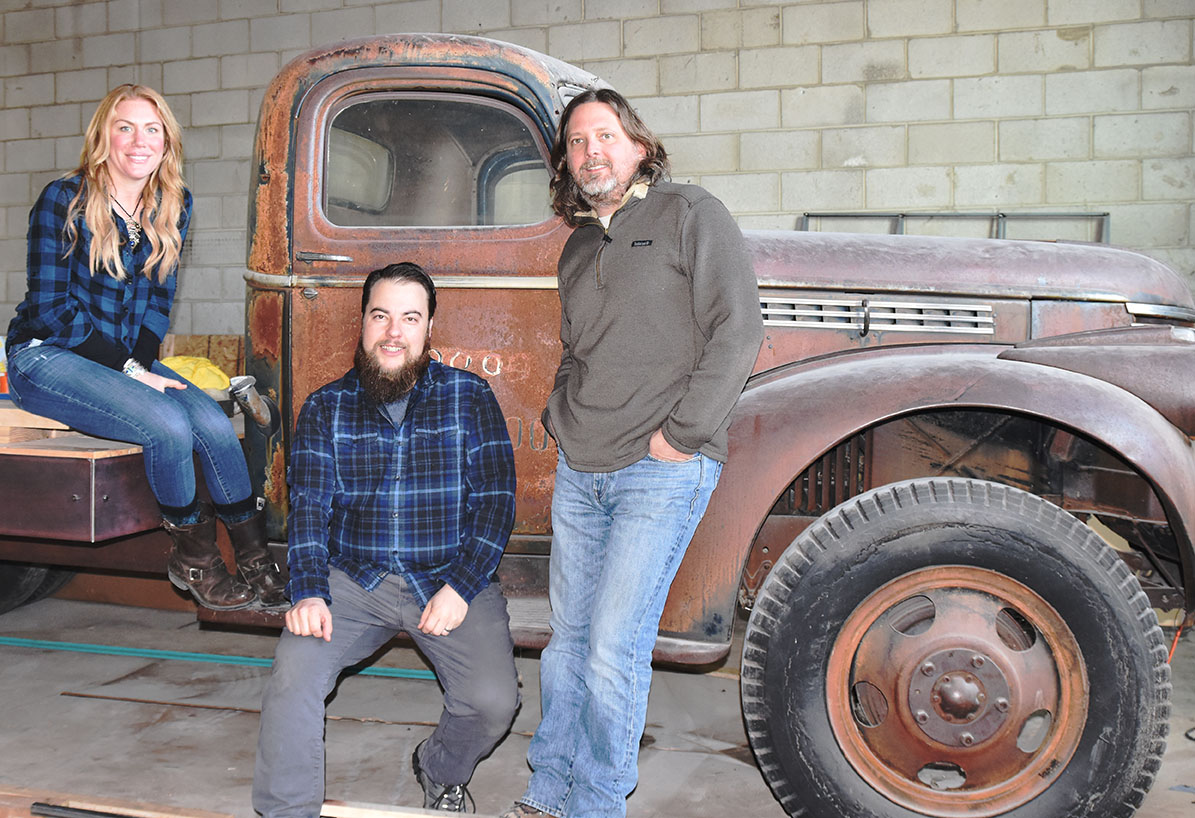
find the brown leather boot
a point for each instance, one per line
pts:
(195, 564)
(254, 563)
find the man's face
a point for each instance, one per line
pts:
(395, 327)
(602, 158)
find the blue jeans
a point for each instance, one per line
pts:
(474, 663)
(55, 382)
(617, 542)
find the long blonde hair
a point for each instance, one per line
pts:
(162, 196)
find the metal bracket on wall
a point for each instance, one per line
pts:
(1103, 226)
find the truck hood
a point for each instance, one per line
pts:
(995, 268)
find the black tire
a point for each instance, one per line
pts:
(53, 582)
(18, 582)
(977, 594)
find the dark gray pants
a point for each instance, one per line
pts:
(475, 665)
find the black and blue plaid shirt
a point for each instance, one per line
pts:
(65, 305)
(432, 499)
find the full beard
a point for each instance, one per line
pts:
(386, 386)
(601, 190)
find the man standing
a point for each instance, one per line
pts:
(660, 325)
(402, 499)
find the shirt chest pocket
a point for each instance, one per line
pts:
(361, 461)
(438, 453)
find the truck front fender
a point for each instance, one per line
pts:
(788, 418)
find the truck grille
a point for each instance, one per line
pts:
(867, 315)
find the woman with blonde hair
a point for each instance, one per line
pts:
(103, 255)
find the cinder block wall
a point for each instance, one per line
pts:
(778, 107)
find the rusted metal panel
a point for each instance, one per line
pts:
(144, 552)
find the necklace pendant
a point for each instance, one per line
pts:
(134, 233)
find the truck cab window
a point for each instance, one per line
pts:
(433, 160)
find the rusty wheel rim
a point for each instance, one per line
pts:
(944, 692)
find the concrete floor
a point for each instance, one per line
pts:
(179, 732)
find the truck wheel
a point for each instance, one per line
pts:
(945, 647)
(18, 582)
(51, 584)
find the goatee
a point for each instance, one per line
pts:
(382, 386)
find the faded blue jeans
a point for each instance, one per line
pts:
(617, 542)
(57, 383)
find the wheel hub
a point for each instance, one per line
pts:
(958, 697)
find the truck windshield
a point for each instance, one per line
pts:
(433, 160)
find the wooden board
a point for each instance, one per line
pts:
(15, 803)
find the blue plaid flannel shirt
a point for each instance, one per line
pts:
(433, 499)
(65, 304)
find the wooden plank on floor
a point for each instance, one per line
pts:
(353, 809)
(16, 802)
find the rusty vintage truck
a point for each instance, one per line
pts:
(961, 476)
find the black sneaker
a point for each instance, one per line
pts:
(455, 798)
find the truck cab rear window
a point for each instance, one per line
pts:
(433, 160)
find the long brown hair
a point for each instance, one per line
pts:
(567, 198)
(162, 197)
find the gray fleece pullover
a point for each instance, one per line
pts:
(660, 324)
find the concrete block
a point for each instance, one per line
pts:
(633, 78)
(745, 192)
(165, 44)
(621, 9)
(661, 35)
(1148, 43)
(1083, 183)
(280, 32)
(234, 212)
(129, 15)
(1035, 140)
(218, 177)
(473, 17)
(694, 73)
(301, 6)
(688, 6)
(421, 15)
(189, 12)
(952, 56)
(669, 115)
(910, 18)
(14, 60)
(223, 318)
(247, 70)
(181, 105)
(864, 147)
(1092, 92)
(721, 30)
(1001, 185)
(822, 105)
(770, 150)
(180, 314)
(712, 153)
(823, 23)
(1150, 225)
(952, 143)
(14, 124)
(80, 20)
(545, 12)
(60, 55)
(342, 24)
(779, 67)
(201, 143)
(1169, 179)
(978, 15)
(220, 107)
(236, 141)
(29, 155)
(81, 86)
(999, 96)
(761, 27)
(740, 111)
(766, 221)
(908, 188)
(15, 190)
(1027, 52)
(66, 152)
(585, 41)
(534, 38)
(31, 90)
(188, 76)
(920, 100)
(864, 62)
(1085, 12)
(236, 9)
(1168, 86)
(1139, 135)
(229, 37)
(56, 120)
(32, 26)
